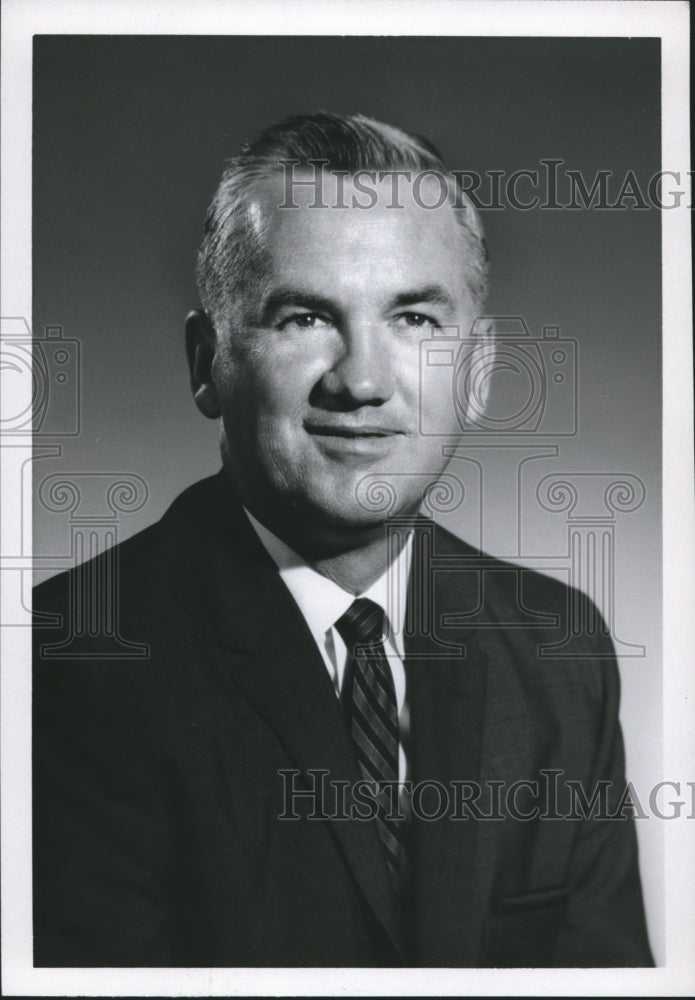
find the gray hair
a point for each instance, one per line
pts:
(231, 249)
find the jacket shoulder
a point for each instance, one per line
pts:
(502, 576)
(553, 633)
(145, 567)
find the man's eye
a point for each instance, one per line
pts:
(417, 320)
(304, 321)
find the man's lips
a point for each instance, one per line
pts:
(351, 430)
(354, 443)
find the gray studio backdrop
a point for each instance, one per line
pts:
(130, 134)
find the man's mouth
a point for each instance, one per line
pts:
(354, 443)
(351, 430)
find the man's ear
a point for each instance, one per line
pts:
(201, 344)
(479, 369)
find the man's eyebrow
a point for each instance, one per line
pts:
(303, 299)
(432, 295)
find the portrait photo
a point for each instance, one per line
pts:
(338, 563)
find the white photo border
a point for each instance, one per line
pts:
(512, 18)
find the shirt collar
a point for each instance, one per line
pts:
(322, 601)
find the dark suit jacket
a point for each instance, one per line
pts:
(157, 788)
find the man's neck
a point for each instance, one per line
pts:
(351, 555)
(353, 559)
(354, 571)
(357, 569)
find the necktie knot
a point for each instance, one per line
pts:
(362, 623)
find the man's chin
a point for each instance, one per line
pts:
(365, 510)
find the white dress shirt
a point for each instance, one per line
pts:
(322, 603)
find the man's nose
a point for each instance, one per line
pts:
(362, 374)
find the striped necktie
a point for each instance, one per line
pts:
(369, 701)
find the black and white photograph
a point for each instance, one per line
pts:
(347, 499)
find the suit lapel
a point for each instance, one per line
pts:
(447, 698)
(467, 725)
(287, 684)
(270, 655)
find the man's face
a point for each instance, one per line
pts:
(318, 378)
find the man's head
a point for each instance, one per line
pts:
(333, 247)
(231, 250)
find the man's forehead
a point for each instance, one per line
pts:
(365, 193)
(376, 253)
(376, 239)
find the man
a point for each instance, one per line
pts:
(323, 761)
